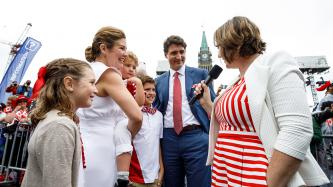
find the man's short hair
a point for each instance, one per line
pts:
(173, 39)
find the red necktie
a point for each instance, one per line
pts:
(177, 104)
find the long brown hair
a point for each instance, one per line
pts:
(53, 94)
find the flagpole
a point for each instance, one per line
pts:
(15, 47)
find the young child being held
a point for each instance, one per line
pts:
(123, 137)
(134, 84)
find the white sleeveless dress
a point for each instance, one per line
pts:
(97, 125)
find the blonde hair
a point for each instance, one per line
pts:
(12, 97)
(54, 95)
(105, 35)
(239, 35)
(133, 57)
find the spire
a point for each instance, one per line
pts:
(204, 46)
(204, 55)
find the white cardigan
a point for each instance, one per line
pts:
(275, 87)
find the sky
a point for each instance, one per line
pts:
(66, 27)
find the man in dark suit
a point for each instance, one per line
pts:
(185, 133)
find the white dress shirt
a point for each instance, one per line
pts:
(187, 116)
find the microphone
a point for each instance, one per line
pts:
(213, 74)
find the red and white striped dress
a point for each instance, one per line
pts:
(239, 157)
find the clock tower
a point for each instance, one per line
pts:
(204, 55)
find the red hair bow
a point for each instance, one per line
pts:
(39, 82)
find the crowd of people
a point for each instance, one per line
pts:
(17, 106)
(103, 124)
(322, 120)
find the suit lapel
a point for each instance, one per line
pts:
(165, 92)
(188, 82)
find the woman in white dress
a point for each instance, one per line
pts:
(112, 104)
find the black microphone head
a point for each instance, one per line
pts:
(215, 72)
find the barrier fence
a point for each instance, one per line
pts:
(14, 139)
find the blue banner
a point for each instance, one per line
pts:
(19, 65)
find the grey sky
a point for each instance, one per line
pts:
(66, 28)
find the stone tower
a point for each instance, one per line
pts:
(204, 55)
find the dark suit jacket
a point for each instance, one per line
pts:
(192, 76)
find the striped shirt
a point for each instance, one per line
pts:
(239, 157)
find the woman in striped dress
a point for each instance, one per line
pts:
(255, 141)
(239, 158)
